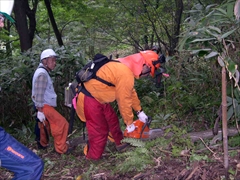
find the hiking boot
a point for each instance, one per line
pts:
(71, 148)
(121, 147)
(69, 151)
(40, 146)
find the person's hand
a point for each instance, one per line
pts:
(130, 128)
(41, 116)
(142, 117)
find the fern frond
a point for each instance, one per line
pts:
(134, 142)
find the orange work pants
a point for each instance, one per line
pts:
(58, 127)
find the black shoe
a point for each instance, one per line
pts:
(40, 146)
(122, 147)
(70, 150)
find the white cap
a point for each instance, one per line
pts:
(47, 53)
(6, 7)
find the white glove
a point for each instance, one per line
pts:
(41, 116)
(130, 128)
(142, 117)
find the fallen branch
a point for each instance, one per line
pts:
(212, 147)
(214, 154)
(206, 146)
(158, 160)
(194, 136)
(165, 151)
(140, 176)
(209, 134)
(100, 175)
(191, 174)
(72, 133)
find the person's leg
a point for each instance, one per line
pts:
(17, 158)
(113, 123)
(59, 128)
(36, 129)
(97, 128)
(41, 137)
(44, 133)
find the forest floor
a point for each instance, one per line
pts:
(164, 166)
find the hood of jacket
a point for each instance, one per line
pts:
(134, 62)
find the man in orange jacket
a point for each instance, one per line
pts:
(96, 110)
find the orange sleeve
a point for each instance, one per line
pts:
(136, 102)
(124, 98)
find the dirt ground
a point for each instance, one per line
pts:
(165, 167)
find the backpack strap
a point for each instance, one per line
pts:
(100, 59)
(103, 81)
(85, 91)
(44, 68)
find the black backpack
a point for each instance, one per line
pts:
(90, 69)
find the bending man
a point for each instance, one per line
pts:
(96, 109)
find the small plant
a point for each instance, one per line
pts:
(179, 140)
(24, 134)
(196, 157)
(87, 175)
(136, 160)
(234, 141)
(134, 142)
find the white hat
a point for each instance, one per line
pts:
(47, 53)
(6, 7)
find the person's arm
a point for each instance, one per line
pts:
(124, 88)
(136, 102)
(40, 88)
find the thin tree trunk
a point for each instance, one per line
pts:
(54, 25)
(224, 120)
(20, 8)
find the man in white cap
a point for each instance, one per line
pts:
(14, 156)
(45, 101)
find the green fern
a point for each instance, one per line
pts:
(136, 160)
(134, 142)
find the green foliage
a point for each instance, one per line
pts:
(90, 170)
(234, 141)
(211, 32)
(197, 157)
(233, 104)
(179, 140)
(132, 161)
(16, 81)
(134, 142)
(49, 163)
(23, 134)
(140, 157)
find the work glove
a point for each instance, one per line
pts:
(130, 128)
(142, 117)
(41, 116)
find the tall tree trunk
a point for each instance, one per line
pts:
(54, 25)
(23, 13)
(224, 120)
(177, 24)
